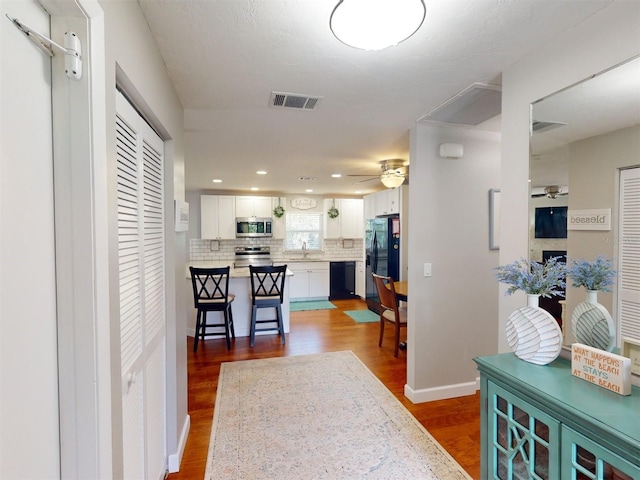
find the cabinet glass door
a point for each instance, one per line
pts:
(586, 460)
(520, 436)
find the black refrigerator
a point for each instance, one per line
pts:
(382, 248)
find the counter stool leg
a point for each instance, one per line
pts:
(197, 333)
(254, 314)
(280, 323)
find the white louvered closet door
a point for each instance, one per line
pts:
(629, 255)
(142, 293)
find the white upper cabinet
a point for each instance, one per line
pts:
(217, 217)
(350, 221)
(250, 206)
(387, 202)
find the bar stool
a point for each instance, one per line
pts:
(211, 294)
(267, 291)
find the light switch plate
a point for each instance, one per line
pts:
(427, 269)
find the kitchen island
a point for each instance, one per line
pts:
(240, 286)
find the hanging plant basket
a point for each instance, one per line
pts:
(333, 212)
(278, 212)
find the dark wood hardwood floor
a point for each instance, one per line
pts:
(455, 423)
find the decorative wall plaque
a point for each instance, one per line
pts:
(303, 203)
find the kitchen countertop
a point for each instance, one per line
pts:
(233, 272)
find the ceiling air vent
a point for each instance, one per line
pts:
(295, 101)
(472, 106)
(539, 126)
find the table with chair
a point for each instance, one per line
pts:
(224, 303)
(390, 311)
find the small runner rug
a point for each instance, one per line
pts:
(310, 305)
(363, 316)
(317, 416)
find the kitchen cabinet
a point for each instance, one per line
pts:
(543, 422)
(349, 223)
(217, 217)
(279, 225)
(251, 206)
(310, 280)
(360, 279)
(387, 202)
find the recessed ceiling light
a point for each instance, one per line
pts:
(358, 191)
(261, 172)
(255, 188)
(217, 180)
(336, 175)
(309, 190)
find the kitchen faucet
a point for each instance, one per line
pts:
(304, 249)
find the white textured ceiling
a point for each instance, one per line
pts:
(225, 57)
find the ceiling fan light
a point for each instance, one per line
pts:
(376, 24)
(392, 178)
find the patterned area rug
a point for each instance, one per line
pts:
(317, 416)
(363, 316)
(311, 305)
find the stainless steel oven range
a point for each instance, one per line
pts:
(257, 256)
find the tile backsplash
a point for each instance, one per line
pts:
(201, 250)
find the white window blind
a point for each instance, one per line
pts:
(304, 231)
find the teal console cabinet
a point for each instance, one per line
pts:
(541, 422)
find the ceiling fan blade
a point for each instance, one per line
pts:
(366, 180)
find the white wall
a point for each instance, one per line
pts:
(29, 434)
(602, 41)
(132, 57)
(453, 314)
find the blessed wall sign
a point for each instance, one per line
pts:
(303, 203)
(599, 219)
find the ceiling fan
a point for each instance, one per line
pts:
(394, 173)
(552, 191)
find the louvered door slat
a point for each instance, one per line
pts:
(629, 255)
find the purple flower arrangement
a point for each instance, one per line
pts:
(596, 275)
(544, 279)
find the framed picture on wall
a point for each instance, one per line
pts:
(494, 219)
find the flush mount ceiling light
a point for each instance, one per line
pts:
(376, 24)
(392, 178)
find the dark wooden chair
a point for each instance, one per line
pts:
(390, 312)
(211, 294)
(267, 291)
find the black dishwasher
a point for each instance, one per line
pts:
(342, 280)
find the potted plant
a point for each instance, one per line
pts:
(596, 276)
(534, 278)
(532, 333)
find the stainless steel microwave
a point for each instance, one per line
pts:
(253, 227)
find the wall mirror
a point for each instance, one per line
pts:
(582, 138)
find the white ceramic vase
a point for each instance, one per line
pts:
(533, 334)
(592, 324)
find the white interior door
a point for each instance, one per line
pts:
(629, 255)
(142, 298)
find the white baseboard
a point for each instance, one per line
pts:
(441, 393)
(175, 458)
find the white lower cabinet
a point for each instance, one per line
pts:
(310, 280)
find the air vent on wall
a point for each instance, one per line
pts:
(539, 126)
(296, 101)
(472, 106)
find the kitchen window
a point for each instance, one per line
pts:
(304, 231)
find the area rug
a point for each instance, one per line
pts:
(311, 305)
(363, 316)
(317, 416)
